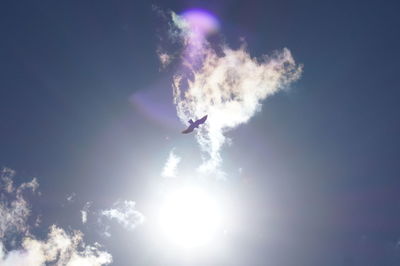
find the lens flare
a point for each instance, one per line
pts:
(201, 21)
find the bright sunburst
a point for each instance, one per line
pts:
(190, 217)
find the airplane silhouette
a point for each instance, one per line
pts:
(194, 125)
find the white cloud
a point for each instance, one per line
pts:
(71, 197)
(84, 216)
(170, 167)
(33, 185)
(229, 86)
(60, 248)
(14, 209)
(125, 213)
(13, 216)
(84, 212)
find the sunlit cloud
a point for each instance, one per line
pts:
(59, 248)
(14, 209)
(125, 213)
(170, 167)
(228, 85)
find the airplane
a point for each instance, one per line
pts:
(194, 125)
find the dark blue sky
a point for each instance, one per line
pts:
(325, 154)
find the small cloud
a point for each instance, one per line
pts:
(38, 221)
(84, 211)
(33, 185)
(84, 216)
(165, 58)
(170, 168)
(71, 197)
(106, 231)
(125, 213)
(6, 179)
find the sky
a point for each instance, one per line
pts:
(297, 163)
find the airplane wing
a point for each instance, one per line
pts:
(190, 121)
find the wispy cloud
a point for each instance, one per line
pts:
(14, 209)
(84, 212)
(59, 248)
(125, 213)
(165, 58)
(6, 179)
(71, 197)
(228, 85)
(170, 167)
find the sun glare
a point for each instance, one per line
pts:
(190, 217)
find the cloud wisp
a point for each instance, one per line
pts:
(170, 167)
(71, 197)
(14, 209)
(84, 212)
(229, 85)
(125, 213)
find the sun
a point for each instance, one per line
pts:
(190, 217)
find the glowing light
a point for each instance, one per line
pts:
(201, 21)
(190, 218)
